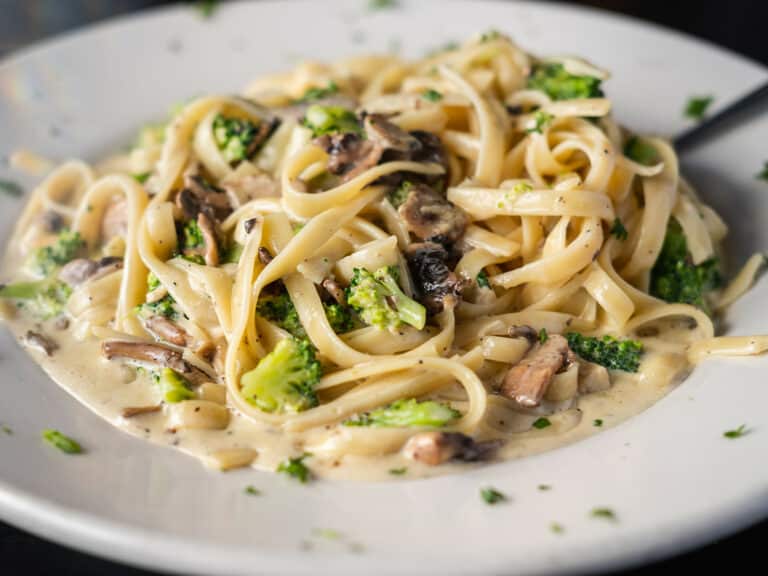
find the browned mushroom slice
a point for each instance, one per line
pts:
(349, 155)
(430, 268)
(264, 256)
(429, 216)
(151, 353)
(198, 195)
(133, 411)
(389, 136)
(40, 342)
(527, 382)
(208, 230)
(81, 270)
(434, 448)
(264, 130)
(114, 220)
(336, 291)
(166, 330)
(524, 331)
(52, 221)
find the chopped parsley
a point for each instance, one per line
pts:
(556, 528)
(542, 423)
(7, 430)
(641, 151)
(697, 106)
(554, 80)
(544, 487)
(737, 432)
(490, 35)
(604, 513)
(763, 174)
(597, 422)
(618, 230)
(142, 177)
(318, 93)
(492, 496)
(543, 335)
(295, 468)
(251, 490)
(206, 8)
(540, 120)
(432, 95)
(482, 279)
(382, 4)
(327, 533)
(62, 442)
(11, 188)
(398, 471)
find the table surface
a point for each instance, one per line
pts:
(26, 21)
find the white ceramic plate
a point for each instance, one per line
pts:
(669, 474)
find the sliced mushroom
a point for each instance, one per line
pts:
(208, 230)
(429, 216)
(349, 155)
(166, 330)
(389, 136)
(251, 187)
(51, 221)
(133, 411)
(266, 127)
(430, 268)
(114, 221)
(524, 331)
(40, 342)
(80, 270)
(336, 291)
(199, 195)
(434, 448)
(152, 353)
(527, 382)
(264, 256)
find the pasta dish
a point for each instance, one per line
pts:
(375, 266)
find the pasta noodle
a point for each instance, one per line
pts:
(350, 253)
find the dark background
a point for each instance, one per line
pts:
(738, 25)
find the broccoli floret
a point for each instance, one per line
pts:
(482, 279)
(675, 278)
(284, 380)
(234, 137)
(193, 236)
(339, 317)
(232, 253)
(641, 151)
(607, 351)
(44, 299)
(317, 93)
(46, 259)
(330, 120)
(279, 309)
(162, 307)
(379, 301)
(400, 194)
(407, 414)
(540, 121)
(558, 84)
(174, 387)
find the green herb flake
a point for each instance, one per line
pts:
(604, 513)
(544, 487)
(641, 151)
(597, 422)
(482, 279)
(206, 8)
(398, 471)
(374, 5)
(432, 95)
(296, 469)
(327, 534)
(763, 174)
(490, 35)
(11, 188)
(554, 80)
(522, 187)
(62, 442)
(540, 121)
(618, 230)
(251, 490)
(697, 106)
(7, 430)
(556, 528)
(737, 432)
(318, 93)
(492, 496)
(142, 177)
(543, 335)
(542, 423)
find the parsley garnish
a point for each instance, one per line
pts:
(319, 93)
(398, 471)
(557, 528)
(252, 490)
(492, 496)
(641, 152)
(541, 119)
(432, 95)
(763, 174)
(697, 106)
(11, 188)
(619, 230)
(597, 422)
(142, 177)
(327, 533)
(482, 279)
(544, 487)
(737, 433)
(295, 468)
(543, 335)
(62, 442)
(207, 7)
(382, 4)
(605, 513)
(490, 35)
(6, 430)
(542, 423)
